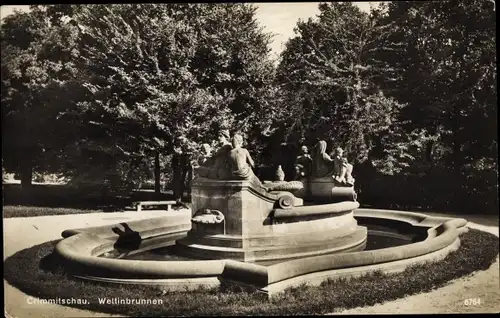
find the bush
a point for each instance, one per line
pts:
(438, 190)
(47, 178)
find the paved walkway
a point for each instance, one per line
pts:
(21, 233)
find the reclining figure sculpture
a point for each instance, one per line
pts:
(233, 162)
(215, 167)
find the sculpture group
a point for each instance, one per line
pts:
(235, 215)
(322, 165)
(230, 162)
(233, 162)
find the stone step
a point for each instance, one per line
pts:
(201, 251)
(271, 261)
(274, 239)
(234, 241)
(346, 244)
(208, 252)
(359, 233)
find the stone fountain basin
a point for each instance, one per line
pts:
(81, 248)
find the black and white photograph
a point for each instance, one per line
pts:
(250, 158)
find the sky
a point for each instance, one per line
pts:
(281, 18)
(276, 18)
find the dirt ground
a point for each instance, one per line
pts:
(459, 296)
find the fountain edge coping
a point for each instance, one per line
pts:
(80, 249)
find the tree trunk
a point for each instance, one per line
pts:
(430, 147)
(176, 177)
(157, 173)
(26, 172)
(457, 141)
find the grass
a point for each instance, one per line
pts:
(21, 211)
(36, 271)
(48, 199)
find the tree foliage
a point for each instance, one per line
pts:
(96, 91)
(141, 76)
(36, 80)
(333, 79)
(448, 76)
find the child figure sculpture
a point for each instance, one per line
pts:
(303, 164)
(214, 166)
(241, 162)
(342, 169)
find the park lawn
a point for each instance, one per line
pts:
(22, 211)
(39, 272)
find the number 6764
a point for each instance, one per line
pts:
(472, 302)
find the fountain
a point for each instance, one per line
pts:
(260, 234)
(243, 219)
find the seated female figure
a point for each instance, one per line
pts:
(322, 163)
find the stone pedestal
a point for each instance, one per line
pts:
(250, 234)
(326, 190)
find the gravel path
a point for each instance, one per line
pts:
(476, 293)
(21, 233)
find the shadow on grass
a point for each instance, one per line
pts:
(52, 263)
(36, 272)
(43, 199)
